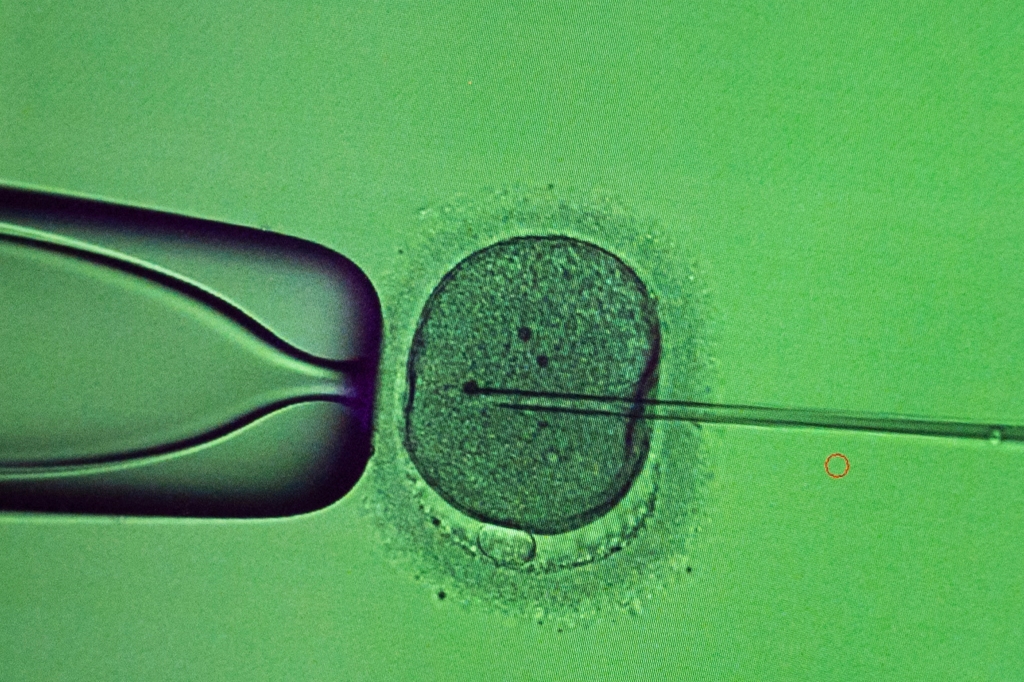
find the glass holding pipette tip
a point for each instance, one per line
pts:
(157, 364)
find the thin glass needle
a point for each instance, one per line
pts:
(747, 415)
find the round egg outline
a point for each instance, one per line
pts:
(621, 559)
(463, 461)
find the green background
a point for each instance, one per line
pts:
(849, 177)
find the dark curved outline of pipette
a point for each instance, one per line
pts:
(167, 450)
(220, 305)
(204, 296)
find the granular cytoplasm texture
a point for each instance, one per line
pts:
(538, 314)
(555, 514)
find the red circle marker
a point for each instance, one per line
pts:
(846, 463)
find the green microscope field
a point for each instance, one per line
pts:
(846, 181)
